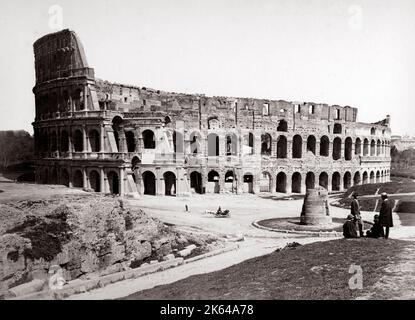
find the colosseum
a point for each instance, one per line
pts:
(128, 140)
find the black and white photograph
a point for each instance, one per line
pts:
(192, 150)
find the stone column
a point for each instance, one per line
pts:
(84, 137)
(85, 178)
(329, 178)
(288, 186)
(159, 182)
(102, 179)
(102, 139)
(122, 182)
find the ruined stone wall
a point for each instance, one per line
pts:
(125, 139)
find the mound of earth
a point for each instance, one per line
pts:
(83, 235)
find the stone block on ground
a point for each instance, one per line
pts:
(27, 288)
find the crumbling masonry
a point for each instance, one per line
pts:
(127, 140)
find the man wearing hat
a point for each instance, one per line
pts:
(385, 214)
(355, 212)
(349, 228)
(377, 230)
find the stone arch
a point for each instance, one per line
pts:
(116, 127)
(297, 147)
(296, 182)
(372, 177)
(64, 141)
(149, 183)
(324, 146)
(281, 183)
(78, 179)
(53, 176)
(337, 128)
(265, 183)
(358, 146)
(130, 140)
(337, 148)
(347, 180)
(95, 180)
(365, 177)
(64, 177)
(348, 148)
(94, 140)
(45, 176)
(377, 176)
(323, 180)
(356, 178)
(282, 125)
(114, 182)
(372, 148)
(372, 131)
(135, 162)
(378, 149)
(231, 145)
(266, 144)
(195, 140)
(311, 144)
(53, 142)
(310, 180)
(196, 181)
(169, 183)
(213, 183)
(282, 147)
(335, 181)
(78, 143)
(366, 147)
(248, 182)
(229, 180)
(213, 145)
(149, 140)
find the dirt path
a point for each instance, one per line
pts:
(251, 248)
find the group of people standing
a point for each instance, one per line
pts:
(353, 227)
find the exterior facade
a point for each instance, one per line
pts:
(129, 140)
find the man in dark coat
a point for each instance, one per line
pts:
(355, 212)
(377, 230)
(385, 214)
(349, 228)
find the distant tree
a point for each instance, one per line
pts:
(15, 147)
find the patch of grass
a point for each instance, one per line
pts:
(294, 224)
(406, 207)
(314, 271)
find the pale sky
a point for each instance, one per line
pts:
(359, 53)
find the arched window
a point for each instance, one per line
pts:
(266, 144)
(337, 129)
(282, 126)
(130, 140)
(358, 146)
(297, 147)
(311, 144)
(282, 147)
(337, 148)
(94, 140)
(78, 143)
(348, 146)
(324, 146)
(148, 139)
